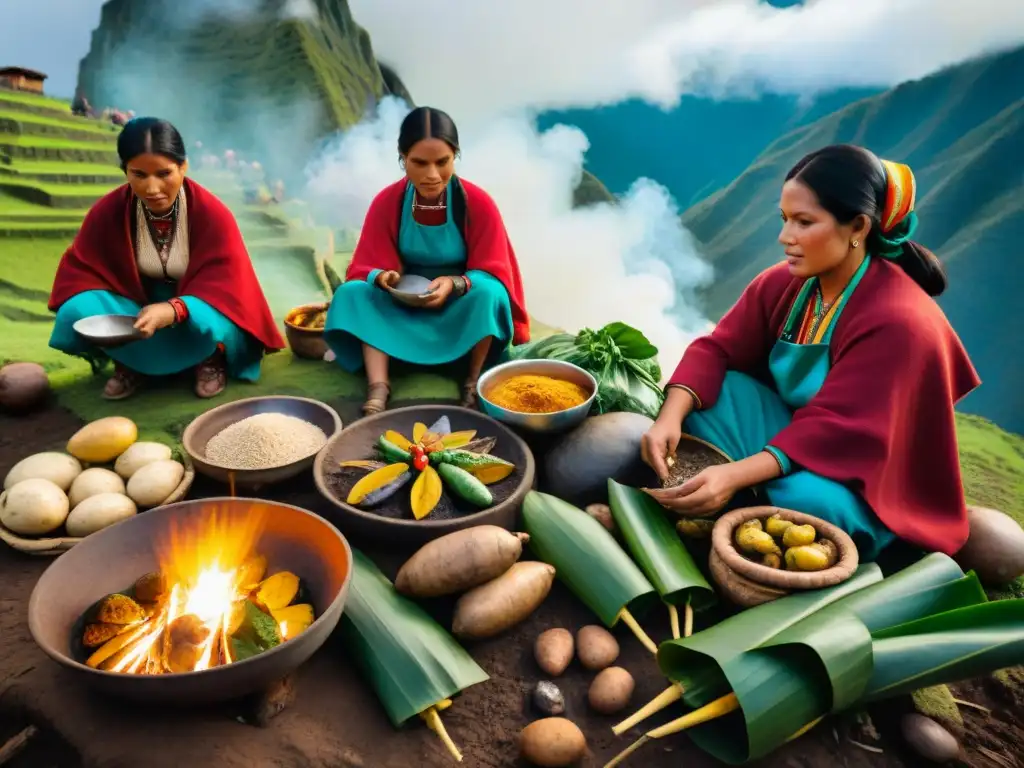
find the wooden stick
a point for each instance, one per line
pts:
(670, 695)
(971, 704)
(629, 621)
(688, 626)
(717, 708)
(14, 745)
(433, 721)
(231, 484)
(673, 617)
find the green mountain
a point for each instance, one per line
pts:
(962, 131)
(260, 81)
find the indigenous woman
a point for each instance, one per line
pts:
(165, 250)
(832, 380)
(436, 225)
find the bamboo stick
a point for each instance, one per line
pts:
(629, 621)
(714, 710)
(673, 616)
(16, 744)
(669, 696)
(688, 626)
(433, 721)
(805, 729)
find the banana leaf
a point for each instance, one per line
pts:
(586, 557)
(946, 648)
(410, 661)
(793, 660)
(656, 547)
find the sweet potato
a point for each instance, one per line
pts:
(493, 607)
(553, 650)
(460, 561)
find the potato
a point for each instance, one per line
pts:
(99, 511)
(93, 481)
(103, 440)
(34, 507)
(552, 742)
(994, 548)
(59, 468)
(929, 739)
(460, 561)
(596, 648)
(497, 605)
(154, 482)
(611, 690)
(139, 455)
(553, 650)
(603, 514)
(23, 386)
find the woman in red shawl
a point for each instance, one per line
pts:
(165, 250)
(832, 381)
(434, 225)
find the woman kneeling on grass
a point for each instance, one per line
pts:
(437, 225)
(166, 250)
(832, 380)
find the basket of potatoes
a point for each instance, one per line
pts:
(759, 554)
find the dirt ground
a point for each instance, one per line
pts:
(335, 721)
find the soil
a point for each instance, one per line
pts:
(691, 458)
(333, 719)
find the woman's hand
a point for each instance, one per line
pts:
(703, 494)
(660, 442)
(387, 279)
(154, 317)
(438, 292)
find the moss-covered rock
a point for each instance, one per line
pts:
(937, 703)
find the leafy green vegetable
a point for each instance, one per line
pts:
(258, 628)
(619, 356)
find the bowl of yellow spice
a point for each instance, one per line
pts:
(759, 554)
(537, 395)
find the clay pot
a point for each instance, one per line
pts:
(994, 548)
(23, 387)
(578, 466)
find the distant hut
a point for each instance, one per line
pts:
(21, 79)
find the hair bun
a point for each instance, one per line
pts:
(924, 267)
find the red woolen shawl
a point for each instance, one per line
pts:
(883, 421)
(219, 269)
(488, 247)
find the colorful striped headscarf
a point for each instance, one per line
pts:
(901, 192)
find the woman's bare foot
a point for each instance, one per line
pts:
(211, 376)
(377, 395)
(122, 384)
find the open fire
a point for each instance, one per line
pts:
(211, 603)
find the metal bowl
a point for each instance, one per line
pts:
(112, 559)
(411, 290)
(205, 426)
(108, 331)
(560, 421)
(358, 441)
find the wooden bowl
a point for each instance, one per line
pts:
(358, 442)
(112, 559)
(205, 426)
(748, 583)
(306, 343)
(56, 545)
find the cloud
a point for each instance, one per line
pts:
(486, 57)
(631, 262)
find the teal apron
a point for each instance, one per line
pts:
(363, 313)
(747, 415)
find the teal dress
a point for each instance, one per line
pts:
(361, 313)
(747, 415)
(168, 351)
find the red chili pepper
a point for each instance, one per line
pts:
(416, 450)
(419, 462)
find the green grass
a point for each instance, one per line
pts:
(71, 123)
(15, 206)
(78, 169)
(61, 190)
(51, 142)
(34, 100)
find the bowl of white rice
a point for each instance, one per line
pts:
(259, 440)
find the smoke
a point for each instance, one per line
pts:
(586, 267)
(540, 54)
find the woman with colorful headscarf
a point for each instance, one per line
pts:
(832, 381)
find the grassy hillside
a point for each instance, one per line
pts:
(962, 131)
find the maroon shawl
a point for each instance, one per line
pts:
(883, 421)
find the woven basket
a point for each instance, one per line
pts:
(307, 343)
(747, 583)
(56, 545)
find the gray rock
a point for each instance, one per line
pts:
(578, 466)
(547, 698)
